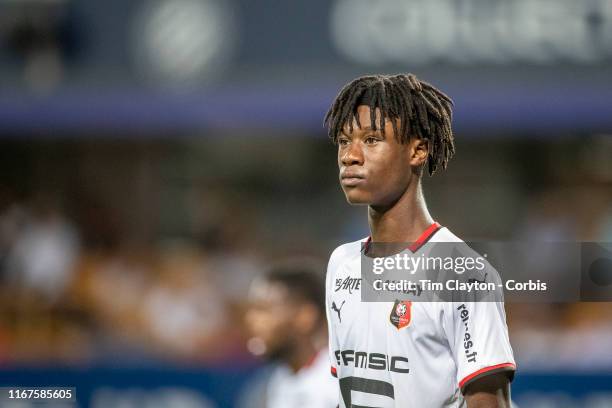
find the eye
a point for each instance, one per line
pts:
(371, 140)
(343, 141)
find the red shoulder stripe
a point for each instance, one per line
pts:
(501, 367)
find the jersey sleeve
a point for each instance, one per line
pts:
(478, 337)
(331, 267)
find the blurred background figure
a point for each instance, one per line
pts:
(42, 248)
(286, 319)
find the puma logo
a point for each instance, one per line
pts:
(335, 309)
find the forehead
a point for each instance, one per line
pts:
(363, 113)
(270, 292)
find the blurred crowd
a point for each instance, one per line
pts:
(79, 285)
(62, 301)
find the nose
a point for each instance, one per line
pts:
(352, 155)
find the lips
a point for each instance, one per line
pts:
(351, 178)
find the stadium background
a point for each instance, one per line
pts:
(155, 155)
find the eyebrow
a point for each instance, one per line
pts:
(364, 128)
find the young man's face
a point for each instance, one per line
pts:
(375, 169)
(273, 319)
(268, 318)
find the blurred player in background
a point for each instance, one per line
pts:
(286, 319)
(389, 129)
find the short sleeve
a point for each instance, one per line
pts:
(478, 336)
(331, 267)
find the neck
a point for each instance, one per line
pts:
(403, 221)
(302, 356)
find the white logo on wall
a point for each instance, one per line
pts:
(472, 31)
(183, 40)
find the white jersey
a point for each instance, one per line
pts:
(408, 354)
(310, 387)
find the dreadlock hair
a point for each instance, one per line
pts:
(423, 111)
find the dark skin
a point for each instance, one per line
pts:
(288, 327)
(378, 171)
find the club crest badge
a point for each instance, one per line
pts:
(401, 314)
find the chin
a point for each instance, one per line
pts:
(355, 197)
(280, 353)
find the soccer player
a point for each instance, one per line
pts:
(286, 318)
(388, 131)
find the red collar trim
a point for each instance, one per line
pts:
(425, 236)
(422, 240)
(312, 360)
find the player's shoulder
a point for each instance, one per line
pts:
(347, 251)
(344, 253)
(443, 234)
(461, 248)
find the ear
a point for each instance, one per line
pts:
(419, 150)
